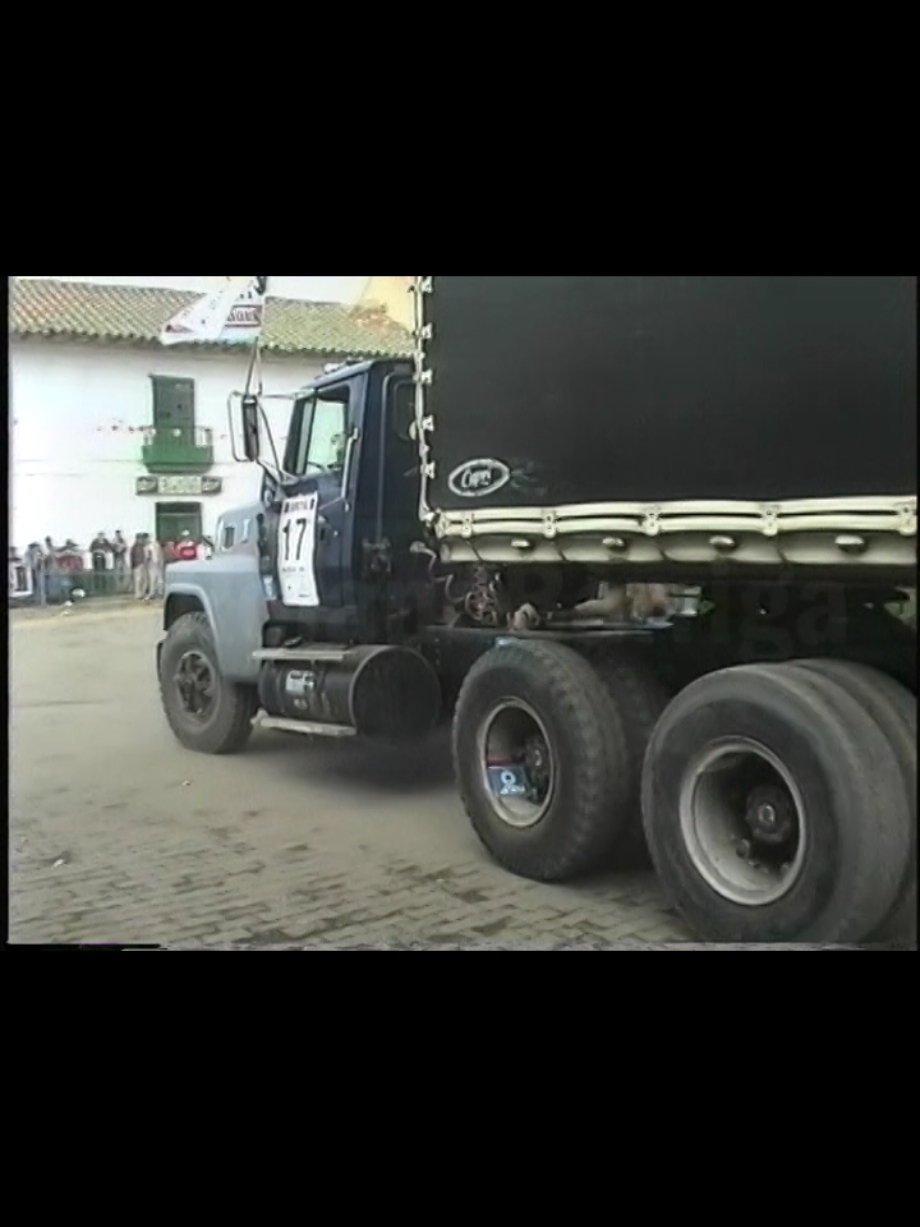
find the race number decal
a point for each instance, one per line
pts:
(297, 552)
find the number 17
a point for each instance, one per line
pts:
(302, 522)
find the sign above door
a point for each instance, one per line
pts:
(183, 487)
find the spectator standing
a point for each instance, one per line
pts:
(62, 571)
(138, 562)
(153, 562)
(161, 569)
(36, 563)
(120, 561)
(70, 558)
(99, 551)
(51, 571)
(186, 550)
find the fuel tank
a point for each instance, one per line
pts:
(377, 690)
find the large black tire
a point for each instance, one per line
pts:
(641, 698)
(587, 803)
(848, 865)
(894, 709)
(228, 724)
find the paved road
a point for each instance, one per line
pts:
(120, 835)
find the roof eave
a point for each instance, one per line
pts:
(137, 342)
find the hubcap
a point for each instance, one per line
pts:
(517, 764)
(743, 822)
(196, 684)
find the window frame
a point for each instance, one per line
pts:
(339, 395)
(170, 385)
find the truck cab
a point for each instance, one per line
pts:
(339, 522)
(311, 603)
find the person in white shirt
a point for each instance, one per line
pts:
(153, 559)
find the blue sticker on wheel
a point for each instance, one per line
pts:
(508, 780)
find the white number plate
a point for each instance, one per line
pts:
(297, 552)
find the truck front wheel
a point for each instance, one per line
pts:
(775, 809)
(206, 713)
(541, 760)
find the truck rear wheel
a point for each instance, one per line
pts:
(775, 810)
(641, 699)
(206, 713)
(540, 758)
(894, 710)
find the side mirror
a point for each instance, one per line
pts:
(251, 445)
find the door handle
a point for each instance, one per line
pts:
(346, 469)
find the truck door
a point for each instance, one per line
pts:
(313, 521)
(400, 488)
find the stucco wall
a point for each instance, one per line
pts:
(77, 411)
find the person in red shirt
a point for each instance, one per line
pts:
(186, 550)
(70, 557)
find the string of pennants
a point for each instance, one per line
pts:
(149, 431)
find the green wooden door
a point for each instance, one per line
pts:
(173, 519)
(174, 408)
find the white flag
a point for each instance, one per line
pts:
(232, 315)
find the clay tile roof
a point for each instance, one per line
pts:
(130, 314)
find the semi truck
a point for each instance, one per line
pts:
(445, 534)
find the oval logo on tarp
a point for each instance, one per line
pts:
(479, 478)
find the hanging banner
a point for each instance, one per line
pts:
(232, 315)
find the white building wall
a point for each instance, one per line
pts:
(77, 411)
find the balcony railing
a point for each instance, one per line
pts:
(178, 450)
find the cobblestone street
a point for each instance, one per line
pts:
(119, 835)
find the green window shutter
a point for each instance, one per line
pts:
(174, 406)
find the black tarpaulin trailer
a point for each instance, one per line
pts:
(669, 408)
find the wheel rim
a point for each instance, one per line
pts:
(195, 680)
(743, 822)
(518, 767)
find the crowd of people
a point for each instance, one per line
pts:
(52, 573)
(149, 558)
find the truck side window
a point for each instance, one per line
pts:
(324, 437)
(402, 411)
(228, 537)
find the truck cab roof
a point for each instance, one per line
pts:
(347, 370)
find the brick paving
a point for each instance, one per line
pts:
(118, 835)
